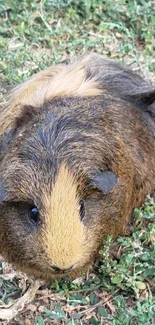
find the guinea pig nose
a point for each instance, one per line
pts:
(58, 270)
(67, 270)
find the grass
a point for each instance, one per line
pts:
(120, 290)
(34, 34)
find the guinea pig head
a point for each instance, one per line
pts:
(49, 219)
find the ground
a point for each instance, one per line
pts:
(120, 288)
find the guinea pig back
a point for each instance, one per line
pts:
(77, 155)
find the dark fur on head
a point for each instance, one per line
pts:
(77, 143)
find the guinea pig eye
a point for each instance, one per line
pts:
(34, 216)
(82, 209)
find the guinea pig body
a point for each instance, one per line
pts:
(77, 156)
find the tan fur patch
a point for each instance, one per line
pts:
(64, 233)
(54, 82)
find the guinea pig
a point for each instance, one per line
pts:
(77, 156)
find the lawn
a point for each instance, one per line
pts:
(120, 288)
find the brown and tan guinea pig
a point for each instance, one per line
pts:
(77, 155)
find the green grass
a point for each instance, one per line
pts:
(120, 290)
(34, 34)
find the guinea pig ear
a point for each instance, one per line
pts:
(104, 181)
(147, 97)
(5, 142)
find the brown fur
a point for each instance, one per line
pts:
(82, 130)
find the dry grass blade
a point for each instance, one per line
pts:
(11, 312)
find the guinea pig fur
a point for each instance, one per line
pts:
(77, 155)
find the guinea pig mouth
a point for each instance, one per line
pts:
(61, 271)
